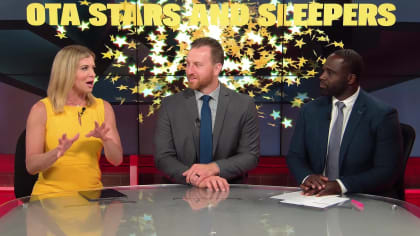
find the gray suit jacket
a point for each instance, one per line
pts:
(235, 135)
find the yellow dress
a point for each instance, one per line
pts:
(78, 168)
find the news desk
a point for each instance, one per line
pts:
(184, 210)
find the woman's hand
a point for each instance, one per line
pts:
(101, 132)
(64, 143)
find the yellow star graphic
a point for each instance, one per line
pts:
(156, 101)
(323, 39)
(265, 89)
(337, 44)
(287, 37)
(157, 94)
(302, 61)
(229, 32)
(311, 72)
(122, 87)
(141, 87)
(162, 37)
(61, 35)
(236, 51)
(115, 78)
(197, 34)
(108, 54)
(250, 52)
(322, 60)
(117, 53)
(257, 83)
(140, 118)
(84, 3)
(154, 80)
(134, 90)
(151, 111)
(125, 4)
(132, 45)
(290, 81)
(263, 32)
(260, 63)
(299, 43)
(252, 25)
(297, 102)
(264, 53)
(308, 31)
(249, 42)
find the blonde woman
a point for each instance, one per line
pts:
(66, 131)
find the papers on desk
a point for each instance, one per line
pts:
(296, 198)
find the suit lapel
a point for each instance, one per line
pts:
(191, 107)
(352, 124)
(220, 115)
(324, 127)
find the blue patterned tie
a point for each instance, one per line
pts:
(334, 145)
(206, 136)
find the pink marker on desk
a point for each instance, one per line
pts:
(360, 206)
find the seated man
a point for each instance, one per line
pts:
(206, 135)
(345, 141)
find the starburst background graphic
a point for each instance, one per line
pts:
(262, 62)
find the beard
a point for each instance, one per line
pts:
(194, 85)
(335, 90)
(199, 83)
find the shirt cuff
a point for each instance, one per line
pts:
(343, 188)
(303, 181)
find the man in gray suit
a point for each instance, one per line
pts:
(206, 135)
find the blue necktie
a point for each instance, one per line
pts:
(206, 136)
(335, 144)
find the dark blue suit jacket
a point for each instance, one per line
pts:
(371, 148)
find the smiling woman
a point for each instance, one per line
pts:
(65, 131)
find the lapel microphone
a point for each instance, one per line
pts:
(81, 112)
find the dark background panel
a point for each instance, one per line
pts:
(292, 113)
(146, 130)
(270, 141)
(127, 123)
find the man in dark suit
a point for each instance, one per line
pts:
(206, 135)
(345, 141)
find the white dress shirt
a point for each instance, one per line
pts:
(212, 103)
(349, 103)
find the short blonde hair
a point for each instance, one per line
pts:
(63, 75)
